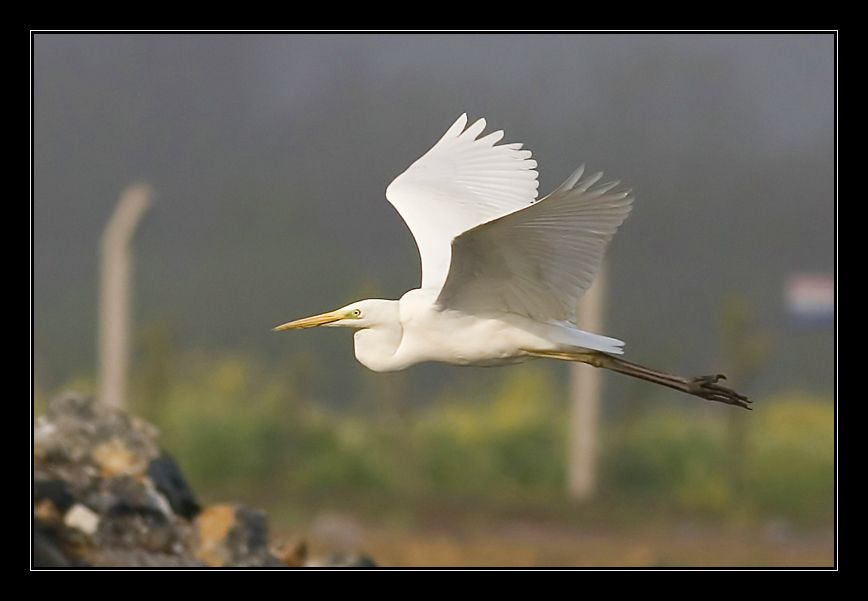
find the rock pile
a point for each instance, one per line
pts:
(104, 494)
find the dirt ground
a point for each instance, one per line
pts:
(545, 545)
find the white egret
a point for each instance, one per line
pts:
(501, 270)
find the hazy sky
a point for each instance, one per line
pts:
(270, 155)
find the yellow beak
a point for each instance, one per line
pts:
(312, 322)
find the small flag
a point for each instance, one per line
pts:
(810, 298)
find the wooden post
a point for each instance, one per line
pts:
(586, 384)
(115, 294)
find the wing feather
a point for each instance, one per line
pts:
(537, 261)
(464, 180)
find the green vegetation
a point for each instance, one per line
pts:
(684, 460)
(235, 428)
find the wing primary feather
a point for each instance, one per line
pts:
(462, 181)
(570, 181)
(539, 260)
(474, 130)
(585, 185)
(492, 138)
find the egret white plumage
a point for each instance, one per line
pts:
(501, 271)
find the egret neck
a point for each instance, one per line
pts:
(376, 345)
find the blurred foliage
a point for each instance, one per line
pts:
(667, 456)
(220, 418)
(791, 469)
(511, 441)
(235, 427)
(683, 460)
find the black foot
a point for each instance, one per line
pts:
(707, 388)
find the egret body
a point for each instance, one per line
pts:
(501, 271)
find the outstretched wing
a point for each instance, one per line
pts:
(537, 261)
(461, 182)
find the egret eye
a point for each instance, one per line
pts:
(357, 312)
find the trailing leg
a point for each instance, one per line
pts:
(705, 387)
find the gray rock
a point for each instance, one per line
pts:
(105, 495)
(167, 477)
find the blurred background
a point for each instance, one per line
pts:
(268, 157)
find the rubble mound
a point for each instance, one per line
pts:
(105, 494)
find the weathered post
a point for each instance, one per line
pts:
(586, 384)
(115, 294)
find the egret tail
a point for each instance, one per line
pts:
(705, 387)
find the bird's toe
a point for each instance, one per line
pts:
(707, 388)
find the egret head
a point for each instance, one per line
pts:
(359, 315)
